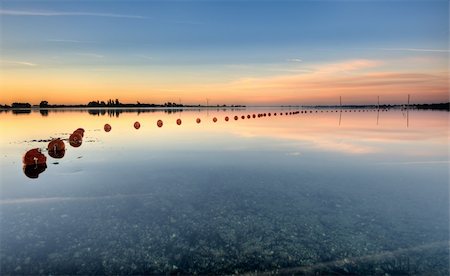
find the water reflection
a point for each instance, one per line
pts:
(296, 193)
(56, 147)
(33, 171)
(21, 111)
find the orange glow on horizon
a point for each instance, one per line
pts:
(357, 81)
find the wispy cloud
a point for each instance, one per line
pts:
(359, 81)
(415, 50)
(18, 62)
(67, 41)
(60, 13)
(91, 55)
(294, 60)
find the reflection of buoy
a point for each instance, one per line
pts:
(107, 128)
(214, 119)
(159, 123)
(178, 121)
(75, 140)
(56, 148)
(235, 118)
(226, 118)
(198, 120)
(33, 171)
(34, 157)
(137, 125)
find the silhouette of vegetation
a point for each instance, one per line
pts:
(435, 106)
(21, 105)
(117, 104)
(43, 104)
(111, 103)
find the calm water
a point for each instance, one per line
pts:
(317, 192)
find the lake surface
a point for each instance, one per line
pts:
(320, 191)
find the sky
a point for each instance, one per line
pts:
(229, 52)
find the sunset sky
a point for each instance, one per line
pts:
(231, 52)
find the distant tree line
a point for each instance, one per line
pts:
(21, 105)
(110, 103)
(440, 106)
(116, 103)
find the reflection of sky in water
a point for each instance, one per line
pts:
(284, 192)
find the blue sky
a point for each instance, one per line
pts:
(170, 35)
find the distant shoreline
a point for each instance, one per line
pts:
(433, 106)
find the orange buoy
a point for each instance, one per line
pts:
(236, 117)
(242, 117)
(254, 116)
(226, 118)
(137, 125)
(34, 157)
(198, 120)
(56, 145)
(178, 121)
(75, 140)
(159, 123)
(107, 127)
(33, 171)
(57, 154)
(56, 148)
(275, 114)
(248, 116)
(79, 132)
(268, 114)
(214, 119)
